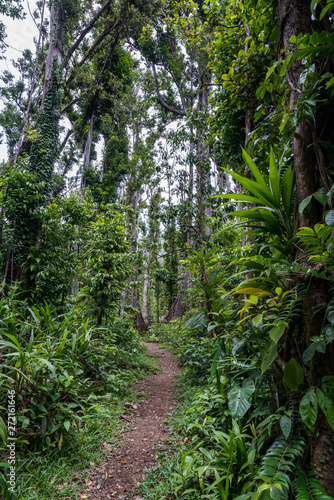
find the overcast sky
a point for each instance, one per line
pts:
(20, 36)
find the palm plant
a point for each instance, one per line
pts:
(273, 212)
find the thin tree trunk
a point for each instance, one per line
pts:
(31, 92)
(146, 302)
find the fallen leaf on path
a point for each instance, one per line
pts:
(131, 405)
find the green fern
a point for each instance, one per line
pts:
(199, 322)
(279, 462)
(307, 486)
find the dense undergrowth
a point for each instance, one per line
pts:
(230, 440)
(259, 339)
(69, 377)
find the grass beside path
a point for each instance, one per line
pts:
(55, 474)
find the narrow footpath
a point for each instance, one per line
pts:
(118, 475)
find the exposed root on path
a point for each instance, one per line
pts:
(121, 471)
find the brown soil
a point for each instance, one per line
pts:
(121, 471)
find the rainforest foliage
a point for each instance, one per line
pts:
(169, 174)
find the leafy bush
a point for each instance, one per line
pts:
(197, 356)
(55, 363)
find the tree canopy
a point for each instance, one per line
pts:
(172, 163)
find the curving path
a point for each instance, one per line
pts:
(116, 477)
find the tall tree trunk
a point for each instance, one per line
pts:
(203, 168)
(56, 45)
(146, 288)
(295, 18)
(134, 196)
(87, 150)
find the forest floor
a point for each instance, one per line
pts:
(119, 475)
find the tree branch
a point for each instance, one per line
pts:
(89, 26)
(67, 136)
(94, 46)
(179, 89)
(160, 98)
(97, 43)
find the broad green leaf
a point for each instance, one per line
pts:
(271, 221)
(47, 363)
(328, 8)
(293, 374)
(258, 292)
(309, 353)
(271, 70)
(253, 299)
(327, 406)
(321, 346)
(284, 121)
(268, 355)
(329, 218)
(239, 398)
(273, 177)
(257, 320)
(287, 189)
(308, 409)
(304, 203)
(250, 213)
(16, 342)
(278, 493)
(3, 432)
(41, 407)
(67, 424)
(253, 168)
(262, 192)
(239, 197)
(277, 331)
(187, 461)
(306, 231)
(285, 424)
(321, 196)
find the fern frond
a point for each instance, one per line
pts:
(307, 486)
(279, 461)
(199, 322)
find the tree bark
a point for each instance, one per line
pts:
(203, 169)
(295, 18)
(56, 44)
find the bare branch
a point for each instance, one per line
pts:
(32, 17)
(63, 144)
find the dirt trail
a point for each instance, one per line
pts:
(115, 477)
